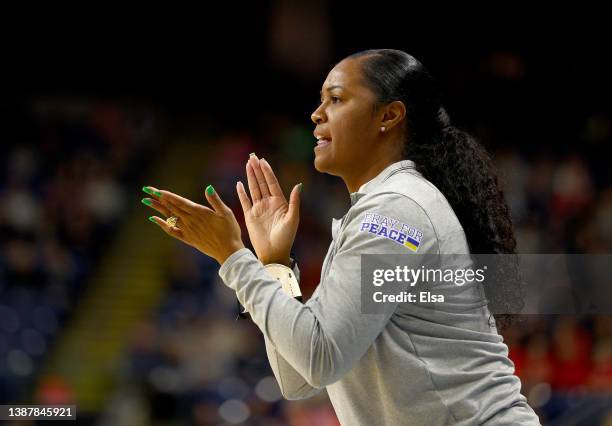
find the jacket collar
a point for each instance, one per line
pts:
(373, 183)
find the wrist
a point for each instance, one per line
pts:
(231, 250)
(282, 260)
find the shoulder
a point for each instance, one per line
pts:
(386, 201)
(392, 218)
(417, 204)
(413, 185)
(427, 196)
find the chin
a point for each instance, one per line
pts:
(323, 165)
(318, 165)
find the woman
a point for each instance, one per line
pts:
(382, 129)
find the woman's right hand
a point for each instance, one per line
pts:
(271, 222)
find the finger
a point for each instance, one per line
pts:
(252, 180)
(175, 203)
(178, 202)
(243, 197)
(173, 231)
(168, 209)
(157, 206)
(194, 219)
(294, 202)
(261, 181)
(152, 191)
(175, 210)
(216, 202)
(271, 180)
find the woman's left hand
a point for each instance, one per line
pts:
(215, 232)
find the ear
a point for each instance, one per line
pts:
(393, 114)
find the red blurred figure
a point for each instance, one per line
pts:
(571, 355)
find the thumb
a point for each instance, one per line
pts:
(294, 202)
(215, 201)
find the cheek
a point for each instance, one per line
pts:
(353, 127)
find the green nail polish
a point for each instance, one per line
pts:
(210, 190)
(300, 187)
(146, 202)
(151, 219)
(150, 191)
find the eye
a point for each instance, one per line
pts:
(333, 99)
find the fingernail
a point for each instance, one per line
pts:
(151, 219)
(146, 202)
(151, 191)
(210, 190)
(300, 187)
(252, 154)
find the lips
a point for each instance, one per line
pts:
(322, 139)
(323, 142)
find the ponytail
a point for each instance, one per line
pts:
(455, 163)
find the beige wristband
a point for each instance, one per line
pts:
(286, 277)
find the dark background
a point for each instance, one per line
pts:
(94, 106)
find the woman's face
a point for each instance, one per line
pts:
(345, 124)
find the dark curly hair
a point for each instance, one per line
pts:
(454, 162)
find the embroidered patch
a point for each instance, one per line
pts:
(392, 229)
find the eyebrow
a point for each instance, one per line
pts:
(332, 87)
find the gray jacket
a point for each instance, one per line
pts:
(408, 365)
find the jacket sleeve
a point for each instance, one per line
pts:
(291, 383)
(325, 337)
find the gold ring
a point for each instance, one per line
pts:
(171, 221)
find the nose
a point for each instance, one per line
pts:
(318, 116)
